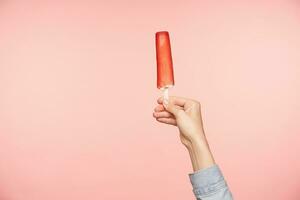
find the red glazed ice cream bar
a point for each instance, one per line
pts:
(165, 74)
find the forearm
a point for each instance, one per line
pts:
(200, 154)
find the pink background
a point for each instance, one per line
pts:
(78, 88)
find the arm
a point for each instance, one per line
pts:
(207, 180)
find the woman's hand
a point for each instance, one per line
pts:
(186, 115)
(183, 113)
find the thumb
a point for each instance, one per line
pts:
(172, 108)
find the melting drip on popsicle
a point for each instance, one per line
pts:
(165, 74)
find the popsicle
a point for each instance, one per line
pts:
(165, 72)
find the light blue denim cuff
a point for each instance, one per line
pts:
(207, 181)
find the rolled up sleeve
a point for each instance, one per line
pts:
(209, 184)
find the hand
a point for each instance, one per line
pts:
(186, 115)
(183, 113)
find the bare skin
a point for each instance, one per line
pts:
(186, 115)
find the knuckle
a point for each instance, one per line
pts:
(197, 104)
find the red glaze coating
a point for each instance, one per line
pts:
(165, 75)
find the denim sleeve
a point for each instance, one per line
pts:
(209, 184)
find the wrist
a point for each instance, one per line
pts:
(198, 142)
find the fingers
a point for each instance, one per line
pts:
(170, 121)
(179, 101)
(174, 110)
(160, 108)
(175, 105)
(165, 114)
